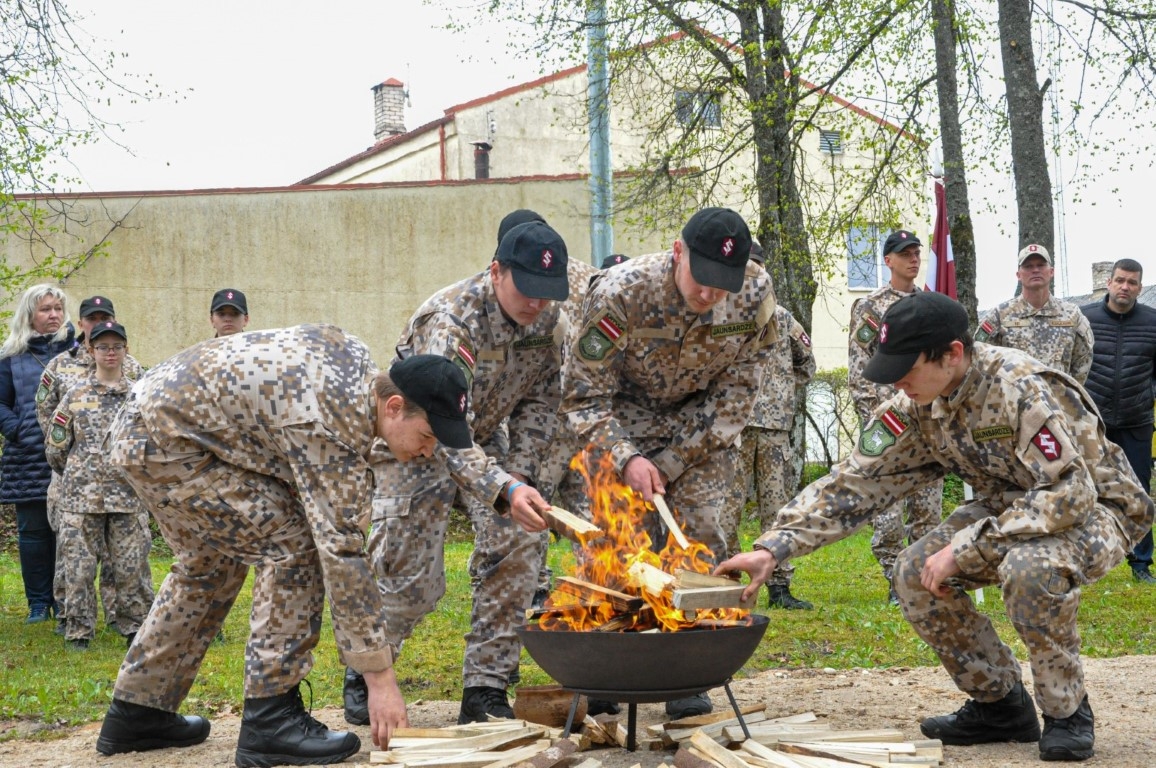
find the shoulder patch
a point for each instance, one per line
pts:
(47, 379)
(984, 331)
(1048, 444)
(58, 434)
(465, 359)
(882, 432)
(867, 330)
(599, 338)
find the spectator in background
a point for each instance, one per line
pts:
(62, 373)
(902, 253)
(1053, 331)
(1121, 379)
(101, 518)
(228, 312)
(40, 330)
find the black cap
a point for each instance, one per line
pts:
(757, 254)
(915, 324)
(719, 242)
(514, 218)
(898, 240)
(107, 327)
(612, 259)
(439, 388)
(229, 297)
(94, 304)
(537, 258)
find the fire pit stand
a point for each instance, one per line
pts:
(633, 698)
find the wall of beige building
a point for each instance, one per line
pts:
(363, 258)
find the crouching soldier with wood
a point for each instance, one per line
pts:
(1057, 506)
(252, 450)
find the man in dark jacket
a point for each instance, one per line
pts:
(1121, 381)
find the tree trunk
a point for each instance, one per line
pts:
(1025, 120)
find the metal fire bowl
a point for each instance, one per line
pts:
(643, 666)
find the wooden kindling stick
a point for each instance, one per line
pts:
(664, 513)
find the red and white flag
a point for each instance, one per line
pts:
(941, 268)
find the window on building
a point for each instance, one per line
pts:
(698, 108)
(865, 267)
(831, 142)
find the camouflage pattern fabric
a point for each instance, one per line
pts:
(514, 385)
(252, 450)
(99, 513)
(650, 377)
(62, 373)
(922, 510)
(1057, 506)
(1058, 333)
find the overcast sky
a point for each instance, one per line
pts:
(267, 93)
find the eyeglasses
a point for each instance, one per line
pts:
(109, 348)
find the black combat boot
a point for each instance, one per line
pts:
(279, 731)
(1071, 737)
(1012, 718)
(779, 596)
(136, 728)
(689, 706)
(481, 702)
(356, 695)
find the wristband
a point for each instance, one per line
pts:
(510, 490)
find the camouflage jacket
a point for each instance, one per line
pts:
(791, 365)
(866, 317)
(64, 371)
(1026, 437)
(74, 446)
(513, 373)
(295, 404)
(1057, 333)
(645, 367)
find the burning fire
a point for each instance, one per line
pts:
(622, 559)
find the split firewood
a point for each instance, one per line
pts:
(715, 717)
(582, 741)
(558, 611)
(684, 579)
(547, 758)
(620, 601)
(769, 733)
(761, 756)
(435, 733)
(596, 732)
(685, 758)
(671, 523)
(717, 730)
(645, 576)
(642, 742)
(708, 598)
(716, 753)
(572, 526)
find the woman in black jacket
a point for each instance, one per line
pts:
(40, 330)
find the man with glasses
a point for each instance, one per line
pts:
(1052, 331)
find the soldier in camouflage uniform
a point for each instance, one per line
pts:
(99, 512)
(253, 450)
(901, 253)
(503, 329)
(666, 369)
(1053, 331)
(62, 372)
(767, 454)
(1057, 506)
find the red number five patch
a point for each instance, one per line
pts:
(1047, 444)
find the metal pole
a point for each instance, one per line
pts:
(598, 104)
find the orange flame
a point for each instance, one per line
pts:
(607, 560)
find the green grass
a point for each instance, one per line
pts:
(852, 626)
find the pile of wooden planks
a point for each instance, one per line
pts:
(496, 744)
(798, 741)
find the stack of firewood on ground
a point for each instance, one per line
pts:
(707, 741)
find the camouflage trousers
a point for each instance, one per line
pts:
(1040, 579)
(219, 519)
(406, 547)
(108, 597)
(126, 539)
(924, 510)
(766, 457)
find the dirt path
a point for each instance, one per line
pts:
(1123, 696)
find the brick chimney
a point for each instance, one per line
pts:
(388, 109)
(1101, 271)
